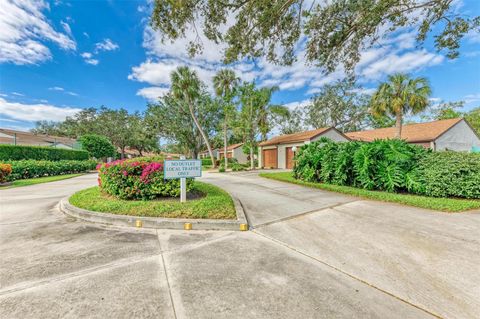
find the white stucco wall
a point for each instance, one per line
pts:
(333, 135)
(240, 156)
(458, 138)
(282, 153)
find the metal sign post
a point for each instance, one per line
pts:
(182, 169)
(183, 186)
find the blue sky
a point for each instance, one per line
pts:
(60, 56)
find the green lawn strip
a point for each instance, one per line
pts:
(442, 204)
(40, 180)
(217, 204)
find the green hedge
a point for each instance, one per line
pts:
(21, 152)
(451, 174)
(206, 161)
(31, 168)
(390, 165)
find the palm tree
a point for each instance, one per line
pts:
(225, 83)
(267, 111)
(186, 86)
(400, 95)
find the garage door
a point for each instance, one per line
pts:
(270, 158)
(289, 159)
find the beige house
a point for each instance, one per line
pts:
(453, 134)
(205, 154)
(15, 137)
(234, 151)
(278, 152)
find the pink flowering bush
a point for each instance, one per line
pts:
(140, 178)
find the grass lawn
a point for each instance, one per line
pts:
(442, 204)
(215, 204)
(40, 180)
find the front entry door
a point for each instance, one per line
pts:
(289, 160)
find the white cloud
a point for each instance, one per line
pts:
(470, 98)
(24, 28)
(87, 56)
(35, 112)
(298, 104)
(18, 94)
(86, 34)
(60, 89)
(404, 63)
(152, 93)
(67, 28)
(105, 45)
(92, 61)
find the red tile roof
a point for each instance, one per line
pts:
(295, 137)
(420, 132)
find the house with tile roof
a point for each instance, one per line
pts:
(278, 152)
(205, 154)
(234, 151)
(452, 134)
(15, 137)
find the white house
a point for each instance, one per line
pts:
(234, 151)
(453, 134)
(278, 152)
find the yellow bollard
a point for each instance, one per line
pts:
(187, 226)
(243, 227)
(138, 223)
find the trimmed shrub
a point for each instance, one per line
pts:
(206, 161)
(230, 160)
(237, 167)
(140, 178)
(21, 152)
(5, 171)
(390, 165)
(98, 146)
(30, 168)
(451, 174)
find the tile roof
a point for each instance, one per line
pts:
(295, 137)
(420, 132)
(28, 138)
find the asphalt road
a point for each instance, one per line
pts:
(311, 254)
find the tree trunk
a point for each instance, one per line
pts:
(122, 153)
(225, 144)
(205, 139)
(398, 125)
(252, 162)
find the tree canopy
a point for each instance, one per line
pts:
(333, 32)
(97, 145)
(340, 105)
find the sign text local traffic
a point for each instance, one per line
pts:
(182, 169)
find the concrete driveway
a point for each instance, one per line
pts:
(311, 254)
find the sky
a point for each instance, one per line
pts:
(57, 57)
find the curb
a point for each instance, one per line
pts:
(239, 224)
